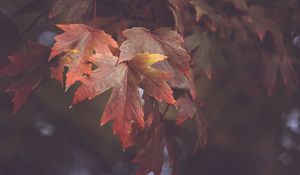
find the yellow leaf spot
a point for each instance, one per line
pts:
(74, 51)
(67, 60)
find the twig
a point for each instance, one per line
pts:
(165, 112)
(95, 13)
(33, 23)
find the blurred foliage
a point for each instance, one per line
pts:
(249, 130)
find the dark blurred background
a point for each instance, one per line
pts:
(247, 135)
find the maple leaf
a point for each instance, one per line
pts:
(176, 8)
(106, 76)
(182, 17)
(262, 24)
(255, 15)
(159, 136)
(181, 82)
(206, 51)
(162, 41)
(74, 8)
(203, 9)
(201, 130)
(153, 80)
(78, 43)
(150, 157)
(187, 109)
(124, 106)
(282, 63)
(35, 64)
(220, 19)
(151, 144)
(289, 75)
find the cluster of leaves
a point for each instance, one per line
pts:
(149, 66)
(256, 31)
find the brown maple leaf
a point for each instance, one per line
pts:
(206, 53)
(262, 24)
(211, 17)
(282, 63)
(125, 106)
(162, 41)
(79, 43)
(187, 109)
(182, 16)
(201, 129)
(35, 64)
(150, 157)
(150, 141)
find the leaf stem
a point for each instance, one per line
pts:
(33, 23)
(95, 13)
(165, 112)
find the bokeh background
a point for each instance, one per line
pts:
(247, 134)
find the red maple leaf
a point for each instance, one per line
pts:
(150, 157)
(125, 106)
(35, 64)
(79, 43)
(151, 145)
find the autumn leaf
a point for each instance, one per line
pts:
(255, 15)
(150, 157)
(282, 63)
(34, 64)
(187, 109)
(262, 24)
(150, 141)
(181, 82)
(201, 130)
(106, 76)
(182, 18)
(75, 8)
(203, 9)
(124, 106)
(160, 136)
(207, 53)
(153, 80)
(162, 41)
(78, 44)
(289, 75)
